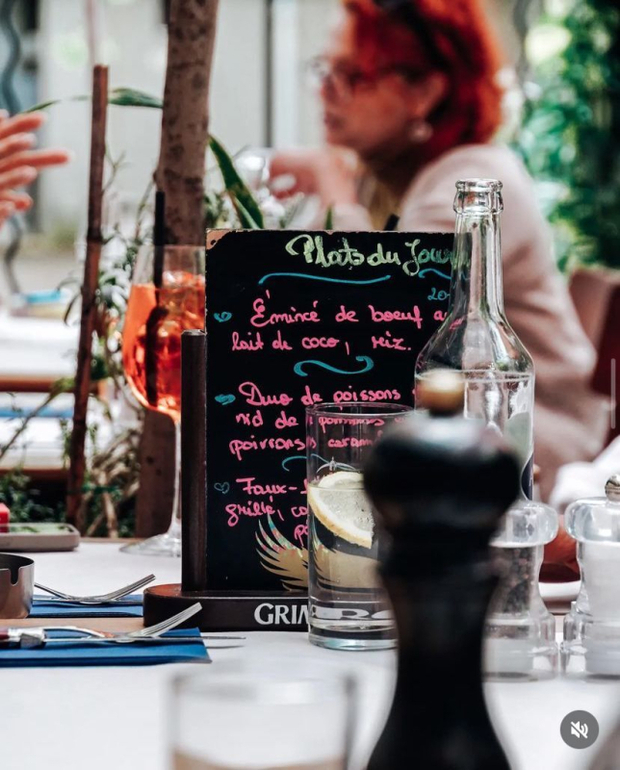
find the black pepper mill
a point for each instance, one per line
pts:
(440, 485)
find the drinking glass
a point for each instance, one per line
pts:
(261, 717)
(290, 210)
(348, 608)
(155, 320)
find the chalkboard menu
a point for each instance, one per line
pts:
(294, 319)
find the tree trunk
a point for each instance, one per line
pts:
(157, 469)
(184, 135)
(180, 174)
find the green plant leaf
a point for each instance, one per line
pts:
(240, 195)
(246, 220)
(54, 102)
(131, 97)
(23, 501)
(121, 97)
(329, 218)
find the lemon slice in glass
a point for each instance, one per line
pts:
(340, 504)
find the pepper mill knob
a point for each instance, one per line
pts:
(441, 391)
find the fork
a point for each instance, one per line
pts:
(155, 630)
(166, 625)
(37, 636)
(97, 598)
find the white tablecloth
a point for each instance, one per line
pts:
(115, 718)
(34, 348)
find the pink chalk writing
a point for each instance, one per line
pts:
(246, 418)
(327, 422)
(349, 442)
(311, 343)
(344, 315)
(309, 398)
(286, 421)
(342, 396)
(250, 488)
(292, 316)
(239, 447)
(280, 343)
(253, 344)
(387, 340)
(301, 533)
(252, 508)
(386, 316)
(254, 396)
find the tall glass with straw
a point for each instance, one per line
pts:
(167, 297)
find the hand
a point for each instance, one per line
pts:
(19, 163)
(328, 173)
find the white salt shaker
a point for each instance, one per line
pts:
(591, 643)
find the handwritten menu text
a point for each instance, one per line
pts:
(295, 319)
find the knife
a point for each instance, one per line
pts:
(36, 637)
(133, 639)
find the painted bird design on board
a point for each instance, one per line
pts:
(282, 558)
(334, 569)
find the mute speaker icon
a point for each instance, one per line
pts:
(579, 730)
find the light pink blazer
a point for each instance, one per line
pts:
(571, 422)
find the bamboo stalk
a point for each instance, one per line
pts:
(75, 512)
(110, 515)
(90, 532)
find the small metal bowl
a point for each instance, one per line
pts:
(16, 585)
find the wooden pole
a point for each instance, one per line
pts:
(194, 470)
(75, 513)
(185, 118)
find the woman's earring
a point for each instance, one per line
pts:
(420, 131)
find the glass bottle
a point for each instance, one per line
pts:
(475, 338)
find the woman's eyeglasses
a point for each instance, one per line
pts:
(346, 80)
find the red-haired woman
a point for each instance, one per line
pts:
(410, 86)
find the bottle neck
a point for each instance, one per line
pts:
(478, 288)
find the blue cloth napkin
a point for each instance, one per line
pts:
(74, 654)
(43, 607)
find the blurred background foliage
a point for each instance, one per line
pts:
(570, 134)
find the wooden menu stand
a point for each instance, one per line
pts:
(221, 610)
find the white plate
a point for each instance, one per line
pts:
(39, 537)
(560, 592)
